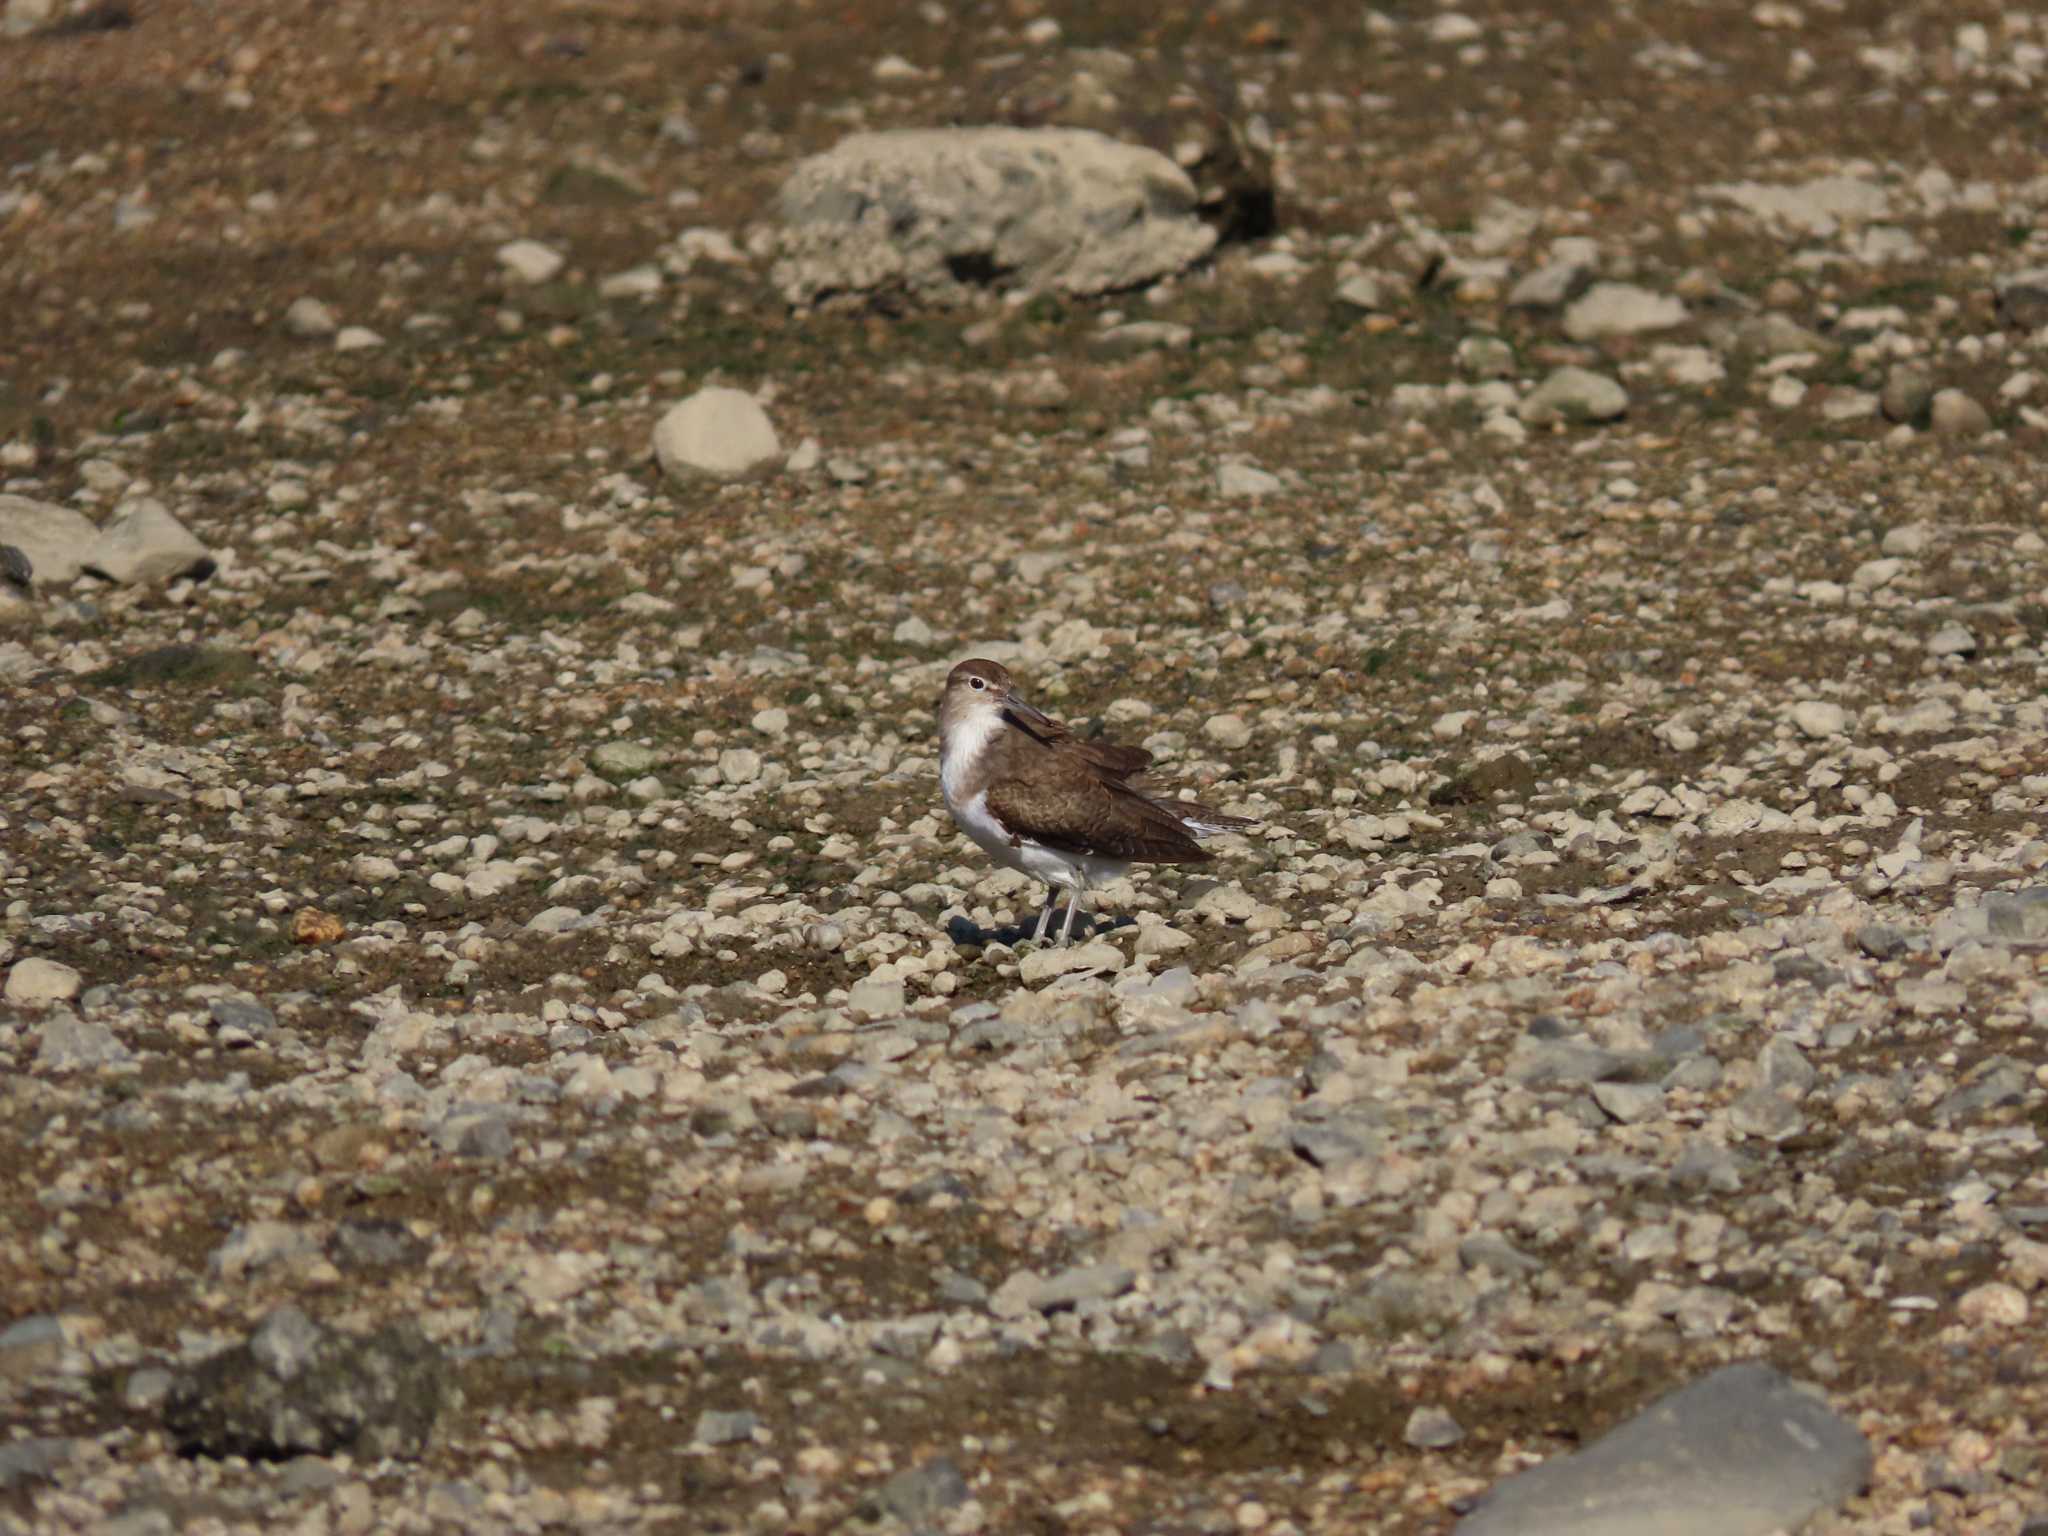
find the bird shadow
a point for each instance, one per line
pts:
(965, 931)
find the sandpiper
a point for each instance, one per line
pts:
(1038, 798)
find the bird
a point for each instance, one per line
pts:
(1068, 810)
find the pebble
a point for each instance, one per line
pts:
(1952, 639)
(1554, 284)
(624, 759)
(142, 542)
(1368, 291)
(1432, 1429)
(642, 282)
(1228, 731)
(1246, 482)
(310, 319)
(1907, 394)
(739, 765)
(1818, 719)
(722, 433)
(1956, 414)
(722, 1426)
(1994, 1305)
(877, 999)
(529, 261)
(1572, 394)
(35, 982)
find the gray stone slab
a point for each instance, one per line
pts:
(1743, 1452)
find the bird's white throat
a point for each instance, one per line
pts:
(962, 747)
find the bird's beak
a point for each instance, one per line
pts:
(1024, 714)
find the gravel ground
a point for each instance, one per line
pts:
(493, 949)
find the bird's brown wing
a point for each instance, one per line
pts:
(1076, 810)
(1109, 757)
(1117, 761)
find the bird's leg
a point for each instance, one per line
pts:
(1045, 914)
(1073, 911)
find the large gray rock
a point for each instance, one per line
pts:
(57, 541)
(294, 1388)
(921, 1496)
(33, 1460)
(940, 213)
(70, 1043)
(1743, 1452)
(143, 542)
(1186, 106)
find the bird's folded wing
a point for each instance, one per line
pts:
(1118, 761)
(1112, 758)
(1079, 813)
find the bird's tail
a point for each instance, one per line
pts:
(1202, 822)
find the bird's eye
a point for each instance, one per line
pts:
(978, 684)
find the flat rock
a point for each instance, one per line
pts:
(1818, 207)
(1246, 482)
(1742, 1452)
(70, 1043)
(722, 433)
(920, 1496)
(35, 1459)
(939, 213)
(1044, 964)
(717, 1426)
(1084, 1282)
(2017, 915)
(624, 759)
(1621, 309)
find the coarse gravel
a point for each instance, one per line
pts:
(500, 1032)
